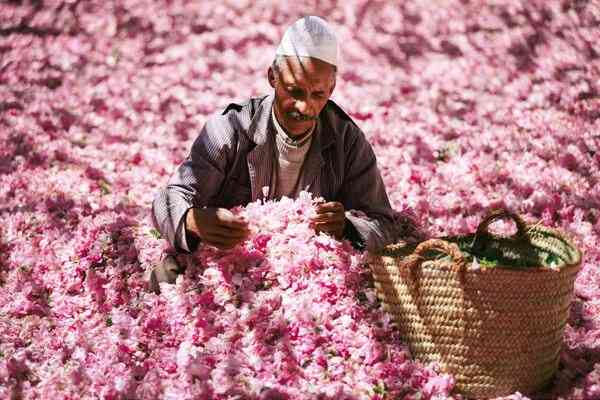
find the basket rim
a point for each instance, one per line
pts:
(506, 270)
(393, 249)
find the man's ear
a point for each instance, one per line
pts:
(333, 85)
(271, 77)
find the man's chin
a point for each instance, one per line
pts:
(298, 128)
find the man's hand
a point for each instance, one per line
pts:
(330, 219)
(217, 227)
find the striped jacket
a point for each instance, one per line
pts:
(232, 159)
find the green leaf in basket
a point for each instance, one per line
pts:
(155, 233)
(552, 260)
(486, 262)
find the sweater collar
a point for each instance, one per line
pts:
(285, 138)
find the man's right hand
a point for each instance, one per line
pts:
(217, 227)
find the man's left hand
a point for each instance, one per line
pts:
(330, 219)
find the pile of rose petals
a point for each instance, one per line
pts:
(468, 105)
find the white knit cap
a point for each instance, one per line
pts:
(309, 37)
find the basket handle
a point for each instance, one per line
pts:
(448, 248)
(482, 230)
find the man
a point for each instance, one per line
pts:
(276, 146)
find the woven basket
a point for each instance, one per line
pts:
(498, 329)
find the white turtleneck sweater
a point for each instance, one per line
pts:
(289, 157)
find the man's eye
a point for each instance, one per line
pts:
(296, 92)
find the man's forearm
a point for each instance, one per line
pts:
(351, 234)
(190, 232)
(373, 233)
(169, 209)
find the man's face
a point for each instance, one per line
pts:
(302, 87)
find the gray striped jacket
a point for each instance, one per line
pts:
(232, 159)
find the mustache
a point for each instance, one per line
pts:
(299, 116)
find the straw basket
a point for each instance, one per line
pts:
(496, 329)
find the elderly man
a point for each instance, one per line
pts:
(293, 140)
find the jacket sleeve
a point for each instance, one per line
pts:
(197, 181)
(363, 195)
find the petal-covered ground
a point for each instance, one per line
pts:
(468, 104)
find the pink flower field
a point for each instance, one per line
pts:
(469, 105)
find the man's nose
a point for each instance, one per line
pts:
(304, 107)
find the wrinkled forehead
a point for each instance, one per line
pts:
(307, 70)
